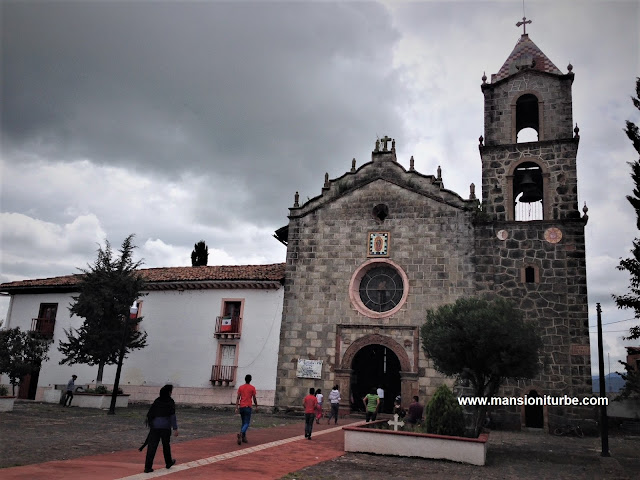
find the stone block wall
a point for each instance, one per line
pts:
(556, 104)
(430, 240)
(556, 158)
(556, 302)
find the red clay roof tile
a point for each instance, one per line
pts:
(271, 272)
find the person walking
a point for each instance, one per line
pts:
(310, 403)
(68, 396)
(414, 415)
(334, 400)
(320, 398)
(371, 402)
(161, 418)
(380, 393)
(246, 393)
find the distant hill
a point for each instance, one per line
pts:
(613, 383)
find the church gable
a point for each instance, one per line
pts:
(383, 167)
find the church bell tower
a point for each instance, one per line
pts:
(534, 179)
(530, 241)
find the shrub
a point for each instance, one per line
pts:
(444, 414)
(4, 391)
(101, 389)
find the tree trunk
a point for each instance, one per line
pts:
(100, 370)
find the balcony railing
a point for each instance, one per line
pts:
(228, 327)
(43, 326)
(223, 374)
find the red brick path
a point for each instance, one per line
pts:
(270, 454)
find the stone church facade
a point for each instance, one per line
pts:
(382, 244)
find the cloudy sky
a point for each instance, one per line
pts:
(182, 121)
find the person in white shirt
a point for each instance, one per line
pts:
(320, 398)
(380, 393)
(334, 398)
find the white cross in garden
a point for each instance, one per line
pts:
(395, 423)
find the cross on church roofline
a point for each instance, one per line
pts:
(523, 23)
(385, 140)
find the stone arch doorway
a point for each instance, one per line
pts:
(362, 367)
(533, 413)
(374, 366)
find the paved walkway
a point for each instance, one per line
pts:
(271, 454)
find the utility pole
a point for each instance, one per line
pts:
(604, 421)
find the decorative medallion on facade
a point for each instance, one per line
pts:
(378, 244)
(553, 235)
(502, 234)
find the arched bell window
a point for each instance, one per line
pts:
(528, 192)
(526, 111)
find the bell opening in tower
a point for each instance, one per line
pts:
(528, 193)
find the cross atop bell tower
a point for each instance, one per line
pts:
(523, 24)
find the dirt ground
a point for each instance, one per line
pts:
(35, 433)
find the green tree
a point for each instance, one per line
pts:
(107, 289)
(200, 254)
(21, 353)
(444, 414)
(632, 264)
(631, 378)
(482, 341)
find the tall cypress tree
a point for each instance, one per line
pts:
(200, 254)
(632, 264)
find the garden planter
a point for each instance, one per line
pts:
(6, 404)
(52, 395)
(365, 439)
(97, 400)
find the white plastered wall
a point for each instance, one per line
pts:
(181, 347)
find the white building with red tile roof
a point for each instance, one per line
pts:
(207, 328)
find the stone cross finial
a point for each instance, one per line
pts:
(523, 24)
(395, 423)
(386, 139)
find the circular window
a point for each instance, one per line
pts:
(378, 288)
(381, 289)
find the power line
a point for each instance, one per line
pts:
(611, 331)
(619, 321)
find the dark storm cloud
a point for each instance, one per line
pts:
(241, 91)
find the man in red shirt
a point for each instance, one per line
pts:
(246, 393)
(310, 403)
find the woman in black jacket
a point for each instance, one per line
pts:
(161, 419)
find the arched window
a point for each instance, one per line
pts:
(527, 113)
(528, 192)
(527, 119)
